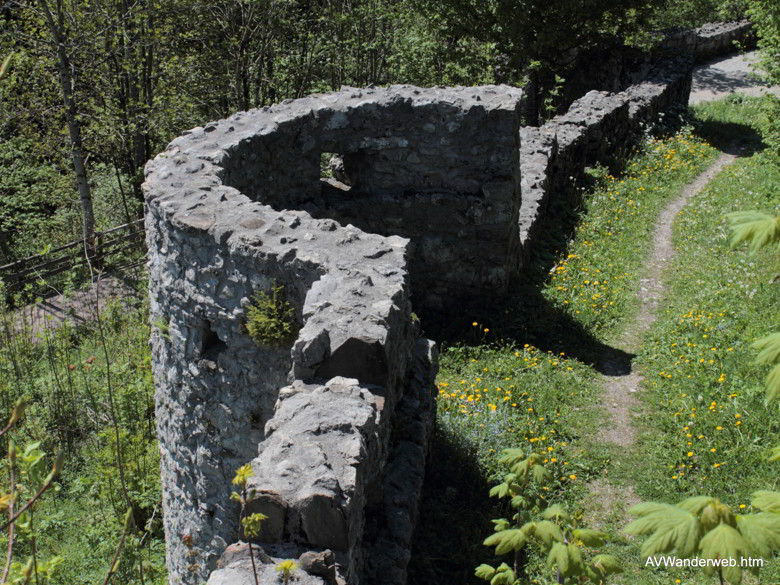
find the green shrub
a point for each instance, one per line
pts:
(270, 318)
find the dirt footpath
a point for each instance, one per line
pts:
(727, 75)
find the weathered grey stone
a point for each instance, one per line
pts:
(322, 564)
(441, 195)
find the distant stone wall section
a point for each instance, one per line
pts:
(598, 128)
(711, 40)
(616, 68)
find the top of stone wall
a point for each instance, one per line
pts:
(185, 186)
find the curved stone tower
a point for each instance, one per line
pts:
(336, 423)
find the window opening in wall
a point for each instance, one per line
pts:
(333, 172)
(211, 344)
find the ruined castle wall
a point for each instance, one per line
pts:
(442, 196)
(616, 68)
(434, 171)
(319, 418)
(599, 128)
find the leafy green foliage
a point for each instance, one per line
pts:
(706, 528)
(64, 375)
(757, 228)
(271, 320)
(769, 354)
(251, 524)
(556, 535)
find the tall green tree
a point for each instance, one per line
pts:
(55, 18)
(537, 38)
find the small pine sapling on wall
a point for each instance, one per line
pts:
(554, 532)
(270, 318)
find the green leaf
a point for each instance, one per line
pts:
(548, 532)
(757, 228)
(603, 566)
(499, 491)
(591, 538)
(773, 384)
(559, 558)
(519, 502)
(540, 474)
(485, 572)
(576, 565)
(4, 66)
(500, 524)
(775, 454)
(31, 447)
(767, 501)
(696, 504)
(504, 575)
(769, 347)
(725, 542)
(505, 541)
(671, 528)
(555, 512)
(761, 531)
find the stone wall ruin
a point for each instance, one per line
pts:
(442, 197)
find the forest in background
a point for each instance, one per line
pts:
(92, 90)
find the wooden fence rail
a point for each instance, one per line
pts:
(16, 275)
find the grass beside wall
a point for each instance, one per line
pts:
(596, 280)
(90, 395)
(524, 380)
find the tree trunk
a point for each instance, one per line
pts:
(74, 126)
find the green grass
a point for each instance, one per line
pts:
(708, 429)
(596, 281)
(499, 392)
(65, 378)
(526, 378)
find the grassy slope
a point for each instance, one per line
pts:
(488, 385)
(708, 430)
(499, 392)
(64, 376)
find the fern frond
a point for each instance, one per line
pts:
(761, 531)
(755, 227)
